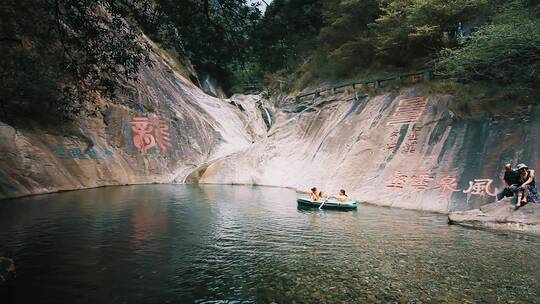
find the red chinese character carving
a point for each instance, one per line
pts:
(414, 133)
(398, 180)
(150, 133)
(448, 184)
(143, 138)
(162, 135)
(412, 141)
(408, 111)
(480, 187)
(420, 181)
(409, 147)
(392, 145)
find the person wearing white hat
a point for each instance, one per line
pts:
(527, 192)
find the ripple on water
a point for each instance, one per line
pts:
(221, 244)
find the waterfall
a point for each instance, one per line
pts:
(268, 117)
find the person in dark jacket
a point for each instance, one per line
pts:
(512, 180)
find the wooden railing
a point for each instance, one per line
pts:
(251, 86)
(426, 75)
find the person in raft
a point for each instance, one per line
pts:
(314, 195)
(342, 196)
(527, 192)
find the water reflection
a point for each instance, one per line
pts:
(149, 223)
(171, 243)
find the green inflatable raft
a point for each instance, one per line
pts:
(326, 204)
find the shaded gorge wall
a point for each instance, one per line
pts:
(158, 131)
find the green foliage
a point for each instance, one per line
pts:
(359, 36)
(213, 35)
(408, 30)
(505, 51)
(498, 64)
(61, 54)
(287, 33)
(491, 47)
(481, 97)
(345, 38)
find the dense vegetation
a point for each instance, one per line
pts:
(57, 55)
(506, 50)
(213, 35)
(60, 55)
(358, 35)
(487, 50)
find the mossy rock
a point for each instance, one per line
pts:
(7, 270)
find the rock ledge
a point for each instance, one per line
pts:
(500, 216)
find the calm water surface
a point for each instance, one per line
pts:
(241, 244)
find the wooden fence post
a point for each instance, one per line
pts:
(426, 75)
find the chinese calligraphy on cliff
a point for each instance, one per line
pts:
(149, 133)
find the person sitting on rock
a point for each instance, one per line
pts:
(512, 180)
(527, 192)
(314, 195)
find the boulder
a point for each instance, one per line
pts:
(7, 276)
(7, 270)
(500, 216)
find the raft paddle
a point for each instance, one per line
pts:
(323, 203)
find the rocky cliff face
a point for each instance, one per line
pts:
(160, 130)
(403, 149)
(399, 149)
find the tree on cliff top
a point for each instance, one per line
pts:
(213, 35)
(287, 33)
(505, 51)
(62, 54)
(345, 39)
(356, 35)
